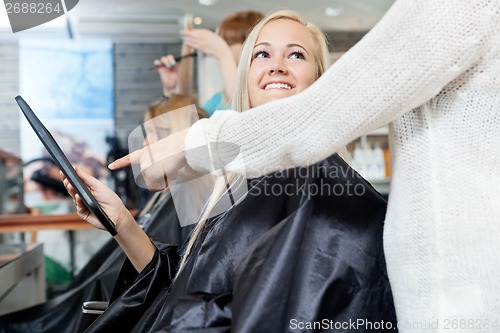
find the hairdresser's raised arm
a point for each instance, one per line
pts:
(415, 50)
(212, 44)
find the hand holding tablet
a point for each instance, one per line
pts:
(66, 167)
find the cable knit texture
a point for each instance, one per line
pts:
(431, 69)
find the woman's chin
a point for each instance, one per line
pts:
(277, 94)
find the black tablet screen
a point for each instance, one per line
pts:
(66, 167)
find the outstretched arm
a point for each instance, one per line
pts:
(419, 47)
(416, 49)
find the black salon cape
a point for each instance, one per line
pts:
(96, 281)
(307, 260)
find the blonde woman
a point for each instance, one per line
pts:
(304, 247)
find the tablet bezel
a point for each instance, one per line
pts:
(66, 167)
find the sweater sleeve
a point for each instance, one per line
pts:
(417, 48)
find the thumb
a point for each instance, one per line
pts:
(88, 179)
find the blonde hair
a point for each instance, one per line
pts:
(241, 99)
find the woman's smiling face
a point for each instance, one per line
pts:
(283, 62)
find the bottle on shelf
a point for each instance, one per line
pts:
(369, 161)
(378, 157)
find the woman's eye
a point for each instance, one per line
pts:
(297, 55)
(260, 54)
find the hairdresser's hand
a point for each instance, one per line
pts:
(158, 161)
(107, 199)
(210, 43)
(206, 41)
(168, 72)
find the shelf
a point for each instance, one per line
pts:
(7, 157)
(25, 222)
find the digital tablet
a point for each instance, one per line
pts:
(65, 166)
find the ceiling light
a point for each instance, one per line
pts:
(197, 20)
(207, 2)
(4, 20)
(333, 11)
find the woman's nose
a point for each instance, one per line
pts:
(277, 67)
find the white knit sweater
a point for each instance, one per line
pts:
(431, 69)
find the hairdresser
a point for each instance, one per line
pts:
(224, 44)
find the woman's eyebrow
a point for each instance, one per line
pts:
(262, 44)
(298, 45)
(288, 45)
